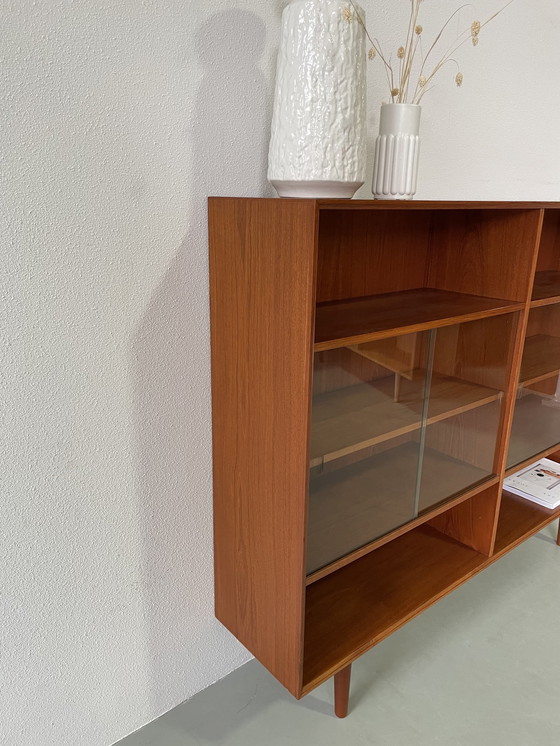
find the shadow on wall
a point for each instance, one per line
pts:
(229, 132)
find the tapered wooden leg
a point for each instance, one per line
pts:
(342, 691)
(558, 536)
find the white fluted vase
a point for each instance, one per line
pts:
(318, 134)
(395, 170)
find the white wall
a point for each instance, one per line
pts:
(119, 118)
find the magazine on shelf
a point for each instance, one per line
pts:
(538, 482)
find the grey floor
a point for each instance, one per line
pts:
(480, 668)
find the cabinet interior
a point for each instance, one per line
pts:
(386, 398)
(546, 287)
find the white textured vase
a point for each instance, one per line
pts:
(395, 170)
(318, 136)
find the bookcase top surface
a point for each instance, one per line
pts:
(370, 204)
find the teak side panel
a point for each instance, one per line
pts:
(262, 255)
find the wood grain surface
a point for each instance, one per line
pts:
(541, 358)
(353, 609)
(342, 692)
(343, 323)
(549, 249)
(365, 253)
(472, 521)
(546, 288)
(488, 253)
(262, 255)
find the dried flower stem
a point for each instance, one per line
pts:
(412, 49)
(434, 43)
(377, 46)
(457, 45)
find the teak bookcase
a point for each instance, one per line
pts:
(377, 369)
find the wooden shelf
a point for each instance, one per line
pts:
(541, 359)
(358, 606)
(378, 497)
(546, 288)
(518, 520)
(536, 428)
(550, 452)
(347, 420)
(342, 323)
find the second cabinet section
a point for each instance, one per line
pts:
(536, 421)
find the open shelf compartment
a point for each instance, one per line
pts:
(353, 609)
(385, 272)
(519, 519)
(546, 286)
(356, 607)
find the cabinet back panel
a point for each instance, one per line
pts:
(549, 249)
(367, 253)
(469, 437)
(544, 320)
(478, 351)
(337, 369)
(548, 386)
(488, 253)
